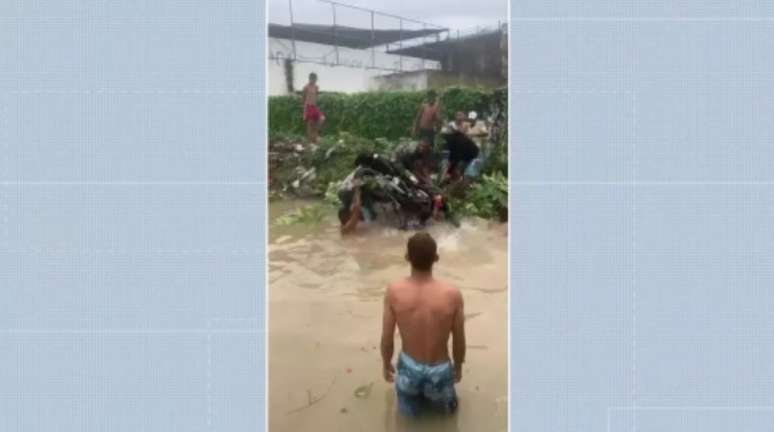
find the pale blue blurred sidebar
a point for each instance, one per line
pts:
(641, 204)
(132, 216)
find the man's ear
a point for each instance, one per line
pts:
(407, 257)
(436, 258)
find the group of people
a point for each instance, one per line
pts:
(463, 138)
(417, 174)
(461, 149)
(426, 311)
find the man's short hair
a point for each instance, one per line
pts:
(312, 76)
(432, 95)
(422, 251)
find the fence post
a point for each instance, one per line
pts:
(400, 45)
(373, 41)
(335, 36)
(292, 29)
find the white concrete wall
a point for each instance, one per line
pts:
(417, 80)
(348, 79)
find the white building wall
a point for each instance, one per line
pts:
(352, 77)
(417, 80)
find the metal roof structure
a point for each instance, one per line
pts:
(438, 50)
(344, 36)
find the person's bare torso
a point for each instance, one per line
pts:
(429, 117)
(424, 312)
(310, 94)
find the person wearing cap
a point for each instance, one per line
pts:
(460, 123)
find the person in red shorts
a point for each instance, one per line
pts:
(313, 117)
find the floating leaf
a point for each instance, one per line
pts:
(364, 391)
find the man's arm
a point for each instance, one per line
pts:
(388, 338)
(351, 224)
(354, 217)
(458, 338)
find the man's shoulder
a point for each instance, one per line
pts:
(449, 290)
(395, 288)
(398, 284)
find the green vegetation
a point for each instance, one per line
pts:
(374, 123)
(374, 115)
(309, 172)
(486, 199)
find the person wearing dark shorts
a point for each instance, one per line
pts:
(461, 151)
(427, 135)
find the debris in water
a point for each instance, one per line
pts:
(364, 391)
(311, 400)
(344, 410)
(472, 315)
(349, 370)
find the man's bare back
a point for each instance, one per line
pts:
(425, 311)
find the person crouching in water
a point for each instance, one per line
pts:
(426, 312)
(354, 213)
(350, 216)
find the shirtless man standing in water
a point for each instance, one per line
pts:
(427, 312)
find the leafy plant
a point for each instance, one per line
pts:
(373, 115)
(485, 199)
(332, 193)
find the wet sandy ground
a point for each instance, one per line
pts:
(325, 321)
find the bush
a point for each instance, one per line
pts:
(486, 199)
(374, 115)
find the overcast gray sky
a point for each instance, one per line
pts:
(454, 14)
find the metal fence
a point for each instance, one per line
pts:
(338, 32)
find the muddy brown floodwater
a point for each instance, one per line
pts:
(325, 307)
